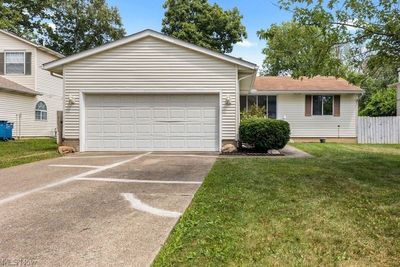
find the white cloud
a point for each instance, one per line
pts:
(246, 43)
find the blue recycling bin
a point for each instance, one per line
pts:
(6, 130)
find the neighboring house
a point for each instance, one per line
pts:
(152, 92)
(320, 107)
(29, 96)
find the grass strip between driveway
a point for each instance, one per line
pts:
(341, 207)
(23, 151)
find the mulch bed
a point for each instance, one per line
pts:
(251, 153)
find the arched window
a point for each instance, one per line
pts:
(41, 111)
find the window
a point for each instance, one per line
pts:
(322, 105)
(14, 62)
(41, 111)
(269, 102)
(243, 103)
(271, 107)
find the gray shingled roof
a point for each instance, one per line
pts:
(10, 86)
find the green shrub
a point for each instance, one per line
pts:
(264, 134)
(254, 111)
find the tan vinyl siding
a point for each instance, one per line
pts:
(50, 87)
(292, 107)
(150, 64)
(11, 105)
(46, 83)
(8, 43)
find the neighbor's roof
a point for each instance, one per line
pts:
(60, 62)
(304, 84)
(42, 48)
(13, 87)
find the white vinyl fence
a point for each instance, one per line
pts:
(378, 130)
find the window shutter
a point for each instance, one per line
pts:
(308, 105)
(1, 63)
(28, 63)
(336, 106)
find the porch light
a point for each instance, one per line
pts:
(71, 100)
(228, 100)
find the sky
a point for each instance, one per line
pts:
(138, 15)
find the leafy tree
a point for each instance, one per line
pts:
(382, 103)
(83, 24)
(372, 81)
(372, 27)
(198, 22)
(300, 51)
(26, 18)
(65, 26)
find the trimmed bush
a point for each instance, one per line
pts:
(264, 134)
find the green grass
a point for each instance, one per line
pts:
(26, 150)
(340, 208)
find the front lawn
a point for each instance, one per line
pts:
(340, 208)
(26, 150)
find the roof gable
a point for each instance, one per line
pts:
(42, 48)
(58, 64)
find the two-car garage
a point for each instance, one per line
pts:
(151, 92)
(152, 122)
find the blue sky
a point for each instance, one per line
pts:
(257, 14)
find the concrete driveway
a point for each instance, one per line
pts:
(95, 208)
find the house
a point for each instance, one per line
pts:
(149, 91)
(152, 92)
(319, 107)
(29, 96)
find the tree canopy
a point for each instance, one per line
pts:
(358, 40)
(299, 51)
(371, 28)
(83, 24)
(65, 26)
(203, 24)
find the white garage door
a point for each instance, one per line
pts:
(151, 122)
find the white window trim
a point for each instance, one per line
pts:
(41, 112)
(322, 111)
(5, 62)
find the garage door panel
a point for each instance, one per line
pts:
(160, 113)
(177, 113)
(152, 122)
(144, 129)
(126, 114)
(142, 113)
